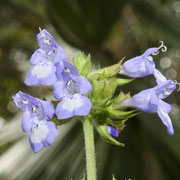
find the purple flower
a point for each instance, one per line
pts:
(71, 87)
(36, 120)
(150, 101)
(112, 131)
(143, 65)
(45, 60)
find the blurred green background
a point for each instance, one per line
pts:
(109, 30)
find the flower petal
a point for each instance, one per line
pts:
(36, 147)
(46, 41)
(84, 85)
(26, 123)
(38, 56)
(164, 106)
(163, 114)
(139, 66)
(146, 101)
(52, 134)
(48, 109)
(149, 51)
(58, 89)
(76, 105)
(24, 101)
(160, 78)
(112, 131)
(38, 134)
(42, 73)
(164, 89)
(31, 80)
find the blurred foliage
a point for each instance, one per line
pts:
(108, 30)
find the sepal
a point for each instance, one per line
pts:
(119, 125)
(105, 73)
(103, 91)
(101, 128)
(112, 113)
(82, 63)
(117, 100)
(60, 122)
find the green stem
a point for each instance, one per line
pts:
(89, 147)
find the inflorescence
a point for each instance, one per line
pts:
(80, 94)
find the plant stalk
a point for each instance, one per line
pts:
(90, 149)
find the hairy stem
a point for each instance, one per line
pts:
(89, 147)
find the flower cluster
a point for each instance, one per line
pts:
(51, 68)
(79, 90)
(150, 100)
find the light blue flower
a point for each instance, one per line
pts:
(45, 60)
(143, 65)
(36, 120)
(70, 88)
(150, 101)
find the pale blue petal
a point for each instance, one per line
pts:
(46, 41)
(166, 119)
(76, 105)
(36, 147)
(31, 80)
(160, 78)
(26, 123)
(38, 56)
(146, 101)
(164, 89)
(58, 89)
(84, 85)
(48, 109)
(52, 134)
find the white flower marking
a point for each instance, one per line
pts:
(72, 104)
(39, 133)
(42, 70)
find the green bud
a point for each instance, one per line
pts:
(82, 63)
(103, 91)
(101, 128)
(105, 73)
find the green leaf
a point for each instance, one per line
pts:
(82, 63)
(105, 73)
(101, 128)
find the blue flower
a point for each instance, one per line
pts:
(143, 65)
(112, 131)
(45, 60)
(150, 101)
(70, 88)
(36, 120)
